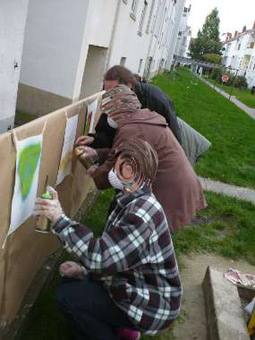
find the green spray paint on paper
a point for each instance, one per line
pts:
(28, 160)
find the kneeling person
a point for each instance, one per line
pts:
(130, 277)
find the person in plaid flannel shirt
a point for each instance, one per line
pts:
(129, 280)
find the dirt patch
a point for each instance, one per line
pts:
(192, 322)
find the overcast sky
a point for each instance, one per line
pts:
(233, 14)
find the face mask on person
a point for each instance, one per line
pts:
(114, 180)
(112, 123)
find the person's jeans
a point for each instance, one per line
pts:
(91, 310)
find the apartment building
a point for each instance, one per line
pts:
(68, 45)
(12, 26)
(184, 35)
(239, 54)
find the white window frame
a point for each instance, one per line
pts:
(134, 6)
(150, 16)
(140, 65)
(123, 61)
(142, 19)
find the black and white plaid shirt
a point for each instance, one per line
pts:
(134, 258)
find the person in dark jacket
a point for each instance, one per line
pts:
(150, 97)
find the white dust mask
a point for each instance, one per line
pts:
(114, 180)
(112, 123)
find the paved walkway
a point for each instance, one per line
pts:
(242, 106)
(228, 190)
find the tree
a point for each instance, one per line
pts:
(212, 58)
(208, 40)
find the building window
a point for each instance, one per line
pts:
(158, 19)
(251, 45)
(140, 65)
(123, 61)
(140, 29)
(239, 46)
(161, 31)
(180, 34)
(134, 6)
(150, 17)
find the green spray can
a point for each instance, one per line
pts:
(43, 224)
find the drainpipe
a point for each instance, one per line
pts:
(113, 34)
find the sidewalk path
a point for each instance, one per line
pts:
(246, 109)
(228, 190)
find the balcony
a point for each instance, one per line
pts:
(249, 48)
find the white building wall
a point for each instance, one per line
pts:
(52, 46)
(239, 56)
(58, 36)
(129, 42)
(160, 46)
(12, 25)
(157, 36)
(68, 48)
(184, 34)
(163, 35)
(98, 34)
(178, 16)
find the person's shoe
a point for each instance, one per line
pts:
(129, 334)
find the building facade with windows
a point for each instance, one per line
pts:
(239, 54)
(12, 27)
(184, 35)
(68, 48)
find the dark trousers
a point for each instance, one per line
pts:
(90, 310)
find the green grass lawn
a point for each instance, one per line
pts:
(226, 227)
(231, 158)
(244, 96)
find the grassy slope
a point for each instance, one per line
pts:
(231, 158)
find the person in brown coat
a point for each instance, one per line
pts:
(176, 186)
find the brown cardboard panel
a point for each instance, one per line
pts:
(25, 249)
(25, 252)
(7, 173)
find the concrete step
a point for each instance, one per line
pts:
(225, 318)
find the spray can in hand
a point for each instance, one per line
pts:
(80, 153)
(43, 224)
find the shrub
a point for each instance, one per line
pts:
(241, 82)
(212, 58)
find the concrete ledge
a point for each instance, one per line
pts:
(225, 320)
(39, 102)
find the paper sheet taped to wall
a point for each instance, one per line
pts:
(65, 166)
(90, 117)
(28, 160)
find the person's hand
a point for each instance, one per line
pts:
(84, 140)
(72, 269)
(88, 153)
(49, 208)
(92, 169)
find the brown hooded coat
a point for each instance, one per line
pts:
(176, 186)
